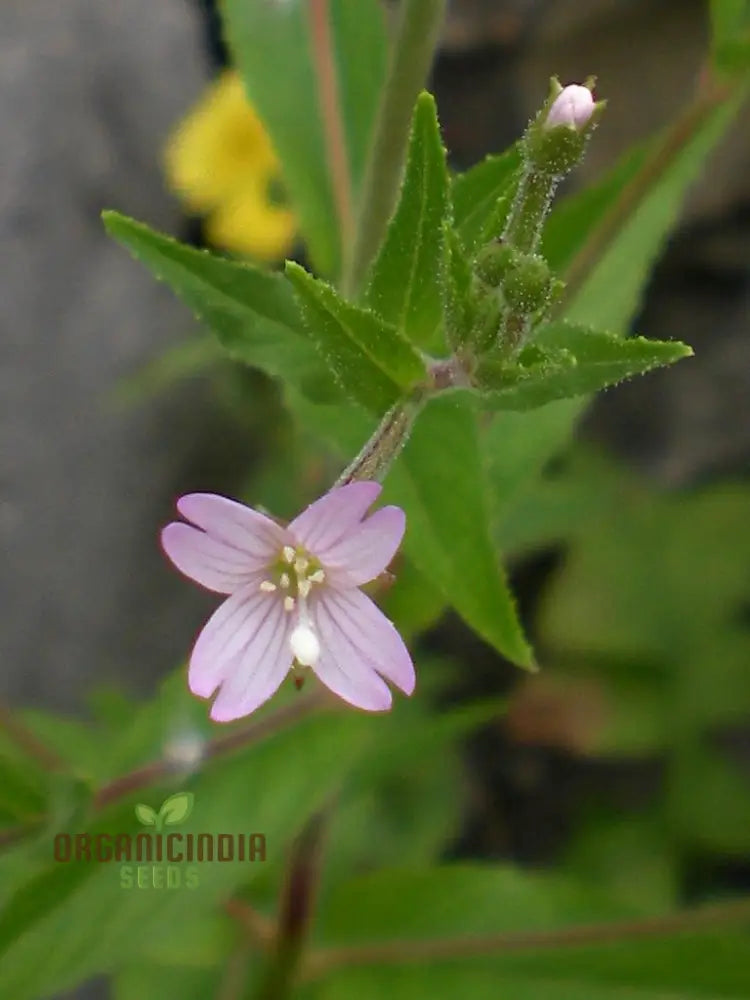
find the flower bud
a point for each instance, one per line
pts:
(573, 107)
(493, 261)
(527, 285)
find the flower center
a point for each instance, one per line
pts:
(292, 577)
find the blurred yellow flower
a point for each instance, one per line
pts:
(220, 161)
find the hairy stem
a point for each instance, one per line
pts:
(254, 732)
(530, 206)
(385, 444)
(324, 62)
(259, 929)
(324, 961)
(297, 909)
(411, 58)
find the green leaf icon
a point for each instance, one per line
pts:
(145, 814)
(176, 808)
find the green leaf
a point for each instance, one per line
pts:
(708, 805)
(476, 193)
(403, 804)
(23, 787)
(412, 601)
(441, 483)
(374, 363)
(405, 280)
(176, 808)
(469, 903)
(583, 361)
(656, 605)
(65, 900)
(575, 218)
(286, 92)
(663, 638)
(253, 312)
(730, 23)
(627, 854)
(166, 983)
(454, 899)
(487, 979)
(457, 285)
(612, 293)
(145, 814)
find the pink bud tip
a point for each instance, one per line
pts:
(572, 107)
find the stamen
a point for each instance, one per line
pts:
(288, 604)
(284, 581)
(303, 587)
(288, 553)
(301, 564)
(317, 577)
(267, 587)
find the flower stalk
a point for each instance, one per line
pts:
(379, 453)
(552, 146)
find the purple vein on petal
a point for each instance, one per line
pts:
(257, 671)
(233, 523)
(343, 669)
(370, 632)
(224, 635)
(331, 517)
(365, 551)
(207, 561)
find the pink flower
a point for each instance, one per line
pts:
(573, 107)
(295, 598)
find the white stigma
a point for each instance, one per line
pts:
(267, 587)
(288, 553)
(303, 587)
(284, 581)
(301, 564)
(317, 577)
(305, 645)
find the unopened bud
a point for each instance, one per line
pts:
(573, 107)
(493, 261)
(555, 141)
(527, 285)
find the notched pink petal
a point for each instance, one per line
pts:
(367, 549)
(256, 673)
(229, 630)
(234, 524)
(205, 560)
(327, 520)
(343, 668)
(360, 688)
(369, 633)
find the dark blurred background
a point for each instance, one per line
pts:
(88, 94)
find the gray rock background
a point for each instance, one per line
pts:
(88, 91)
